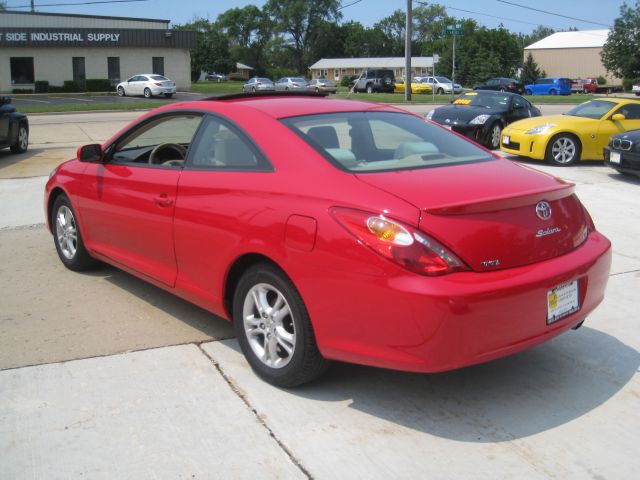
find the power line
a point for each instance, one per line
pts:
(349, 4)
(71, 4)
(554, 14)
(478, 13)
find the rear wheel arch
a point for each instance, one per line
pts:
(235, 273)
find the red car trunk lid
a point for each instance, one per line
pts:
(493, 215)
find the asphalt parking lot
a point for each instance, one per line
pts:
(105, 376)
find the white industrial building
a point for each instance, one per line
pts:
(58, 47)
(574, 54)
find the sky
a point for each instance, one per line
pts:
(515, 18)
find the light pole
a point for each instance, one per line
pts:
(407, 53)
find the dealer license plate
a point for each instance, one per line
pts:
(506, 140)
(562, 301)
(614, 157)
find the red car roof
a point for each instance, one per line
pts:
(290, 106)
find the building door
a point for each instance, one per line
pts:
(79, 75)
(113, 70)
(158, 65)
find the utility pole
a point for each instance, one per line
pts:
(33, 6)
(407, 53)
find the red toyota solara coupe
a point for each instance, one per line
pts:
(330, 229)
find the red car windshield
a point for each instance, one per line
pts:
(362, 142)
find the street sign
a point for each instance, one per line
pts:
(455, 29)
(436, 58)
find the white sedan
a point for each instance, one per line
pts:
(147, 84)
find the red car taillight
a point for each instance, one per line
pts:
(157, 84)
(512, 85)
(403, 245)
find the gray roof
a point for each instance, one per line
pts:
(376, 62)
(242, 66)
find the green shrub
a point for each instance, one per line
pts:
(601, 80)
(98, 85)
(22, 90)
(70, 86)
(345, 81)
(627, 83)
(56, 89)
(42, 86)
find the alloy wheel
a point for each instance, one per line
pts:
(66, 232)
(269, 325)
(563, 150)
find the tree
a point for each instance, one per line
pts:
(248, 30)
(300, 20)
(621, 52)
(3, 6)
(212, 48)
(530, 71)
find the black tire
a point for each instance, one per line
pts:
(369, 88)
(503, 89)
(304, 363)
(637, 94)
(168, 95)
(563, 150)
(528, 92)
(553, 91)
(22, 142)
(121, 92)
(147, 93)
(78, 259)
(440, 91)
(493, 137)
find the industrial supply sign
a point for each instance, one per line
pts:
(84, 37)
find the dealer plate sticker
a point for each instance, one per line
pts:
(562, 301)
(506, 140)
(615, 157)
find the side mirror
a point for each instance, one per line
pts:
(618, 117)
(517, 106)
(90, 153)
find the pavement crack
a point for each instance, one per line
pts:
(624, 273)
(255, 412)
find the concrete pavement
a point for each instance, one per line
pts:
(104, 376)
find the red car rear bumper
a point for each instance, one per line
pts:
(429, 324)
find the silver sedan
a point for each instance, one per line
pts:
(291, 83)
(258, 84)
(147, 84)
(322, 85)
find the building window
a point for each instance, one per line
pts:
(21, 70)
(158, 65)
(113, 70)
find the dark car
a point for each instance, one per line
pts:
(14, 127)
(623, 152)
(215, 77)
(481, 115)
(501, 84)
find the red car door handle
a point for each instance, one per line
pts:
(163, 200)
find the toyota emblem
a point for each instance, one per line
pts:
(543, 210)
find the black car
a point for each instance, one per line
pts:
(623, 152)
(14, 127)
(481, 115)
(501, 84)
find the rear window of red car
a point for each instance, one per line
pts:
(362, 142)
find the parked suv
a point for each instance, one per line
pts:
(549, 86)
(378, 80)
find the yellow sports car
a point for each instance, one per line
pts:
(416, 87)
(580, 134)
